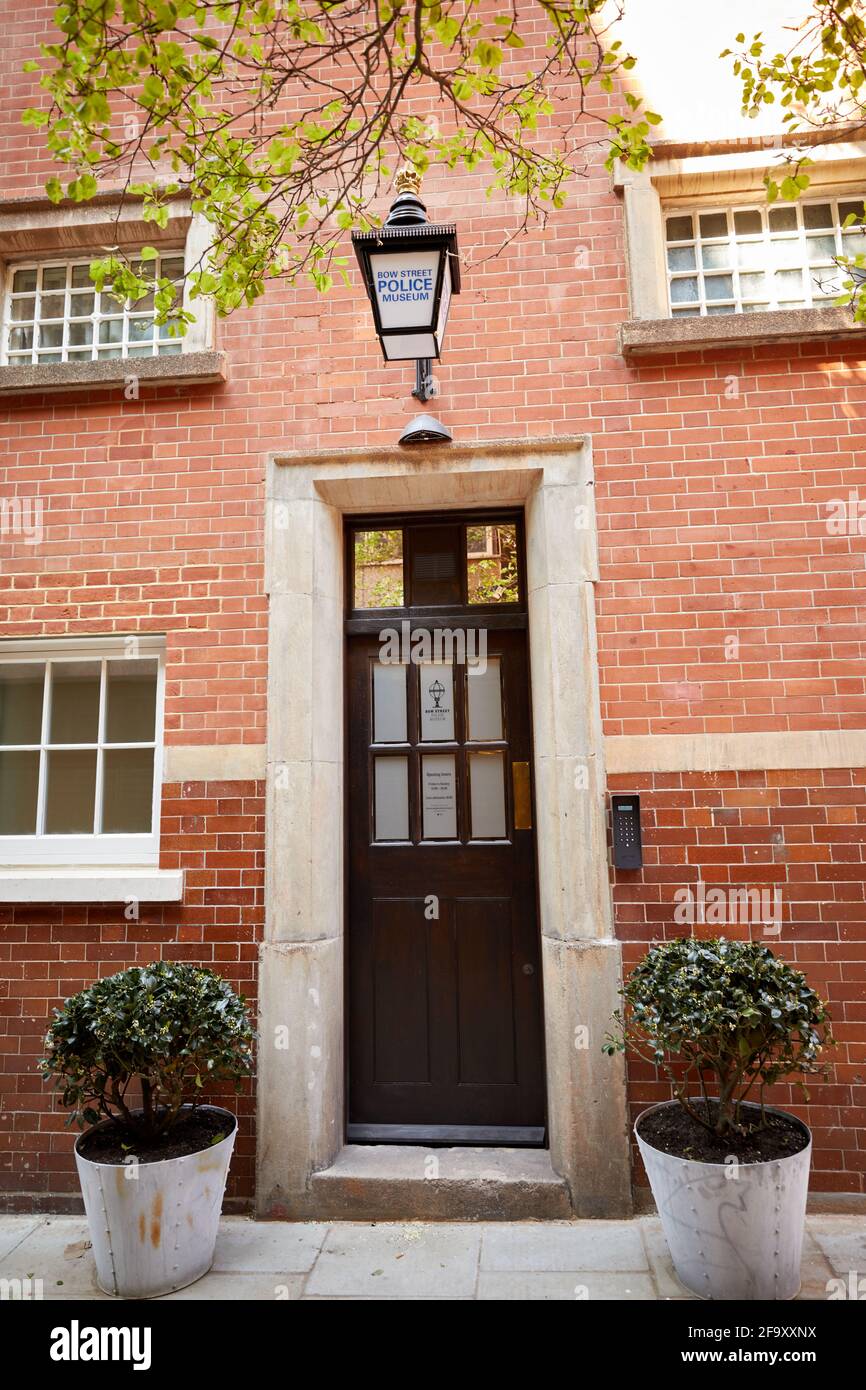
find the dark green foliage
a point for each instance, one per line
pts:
(170, 1027)
(724, 1015)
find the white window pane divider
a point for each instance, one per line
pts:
(100, 757)
(43, 761)
(158, 752)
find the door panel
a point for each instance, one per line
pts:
(400, 993)
(485, 995)
(444, 977)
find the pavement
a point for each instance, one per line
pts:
(503, 1260)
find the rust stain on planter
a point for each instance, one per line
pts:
(142, 1226)
(156, 1221)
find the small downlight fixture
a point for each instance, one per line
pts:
(424, 429)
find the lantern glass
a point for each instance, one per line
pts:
(401, 347)
(405, 286)
(444, 302)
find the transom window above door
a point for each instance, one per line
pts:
(81, 751)
(452, 563)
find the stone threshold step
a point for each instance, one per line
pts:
(394, 1182)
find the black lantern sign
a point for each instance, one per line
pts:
(410, 269)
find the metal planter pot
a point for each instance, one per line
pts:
(154, 1225)
(733, 1232)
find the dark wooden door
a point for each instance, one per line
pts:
(445, 1011)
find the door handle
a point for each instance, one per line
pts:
(522, 789)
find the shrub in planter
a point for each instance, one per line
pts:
(722, 1020)
(132, 1057)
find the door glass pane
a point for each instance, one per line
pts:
(436, 683)
(391, 794)
(487, 795)
(127, 797)
(71, 792)
(484, 695)
(389, 703)
(21, 703)
(491, 562)
(131, 694)
(378, 569)
(74, 702)
(19, 786)
(439, 797)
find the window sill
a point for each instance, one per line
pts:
(650, 337)
(69, 885)
(186, 368)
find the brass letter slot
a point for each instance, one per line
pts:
(522, 796)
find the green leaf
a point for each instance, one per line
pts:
(152, 90)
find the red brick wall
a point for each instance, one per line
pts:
(215, 832)
(805, 834)
(725, 604)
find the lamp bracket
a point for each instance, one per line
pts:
(425, 387)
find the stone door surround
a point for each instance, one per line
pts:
(301, 1091)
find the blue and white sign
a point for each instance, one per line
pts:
(404, 283)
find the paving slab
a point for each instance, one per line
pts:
(842, 1240)
(278, 1247)
(586, 1286)
(574, 1245)
(13, 1229)
(233, 1288)
(815, 1270)
(391, 1298)
(421, 1260)
(661, 1264)
(57, 1251)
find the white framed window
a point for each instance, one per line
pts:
(53, 313)
(81, 724)
(753, 257)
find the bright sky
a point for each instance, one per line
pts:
(677, 44)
